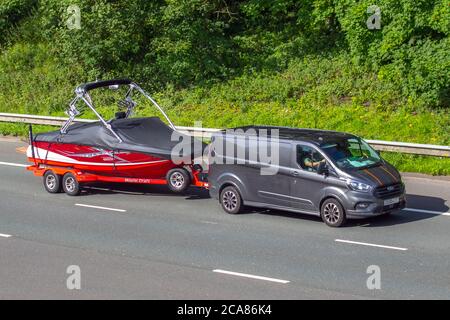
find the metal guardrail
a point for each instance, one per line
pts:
(390, 146)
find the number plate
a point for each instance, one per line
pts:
(391, 201)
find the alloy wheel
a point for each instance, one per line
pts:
(331, 213)
(50, 181)
(229, 200)
(70, 184)
(177, 180)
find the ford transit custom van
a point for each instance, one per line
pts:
(334, 175)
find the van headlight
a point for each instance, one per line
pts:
(358, 186)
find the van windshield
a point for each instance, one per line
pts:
(352, 153)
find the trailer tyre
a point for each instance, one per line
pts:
(71, 185)
(52, 182)
(231, 200)
(178, 180)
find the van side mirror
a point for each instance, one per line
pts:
(323, 168)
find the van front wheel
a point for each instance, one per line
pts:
(231, 200)
(333, 213)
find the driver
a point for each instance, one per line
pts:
(310, 163)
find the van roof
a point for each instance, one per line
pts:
(315, 136)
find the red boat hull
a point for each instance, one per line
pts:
(100, 161)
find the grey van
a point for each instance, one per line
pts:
(334, 175)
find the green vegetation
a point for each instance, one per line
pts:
(229, 63)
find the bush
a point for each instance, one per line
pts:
(196, 42)
(411, 49)
(11, 13)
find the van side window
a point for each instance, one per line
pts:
(308, 158)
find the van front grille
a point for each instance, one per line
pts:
(389, 191)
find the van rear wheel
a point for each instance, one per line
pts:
(230, 200)
(333, 213)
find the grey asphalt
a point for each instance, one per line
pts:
(166, 246)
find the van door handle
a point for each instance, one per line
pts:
(295, 173)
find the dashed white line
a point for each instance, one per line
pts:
(251, 276)
(97, 207)
(364, 225)
(428, 211)
(208, 222)
(370, 244)
(14, 164)
(114, 190)
(2, 235)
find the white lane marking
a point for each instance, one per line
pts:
(5, 235)
(365, 225)
(97, 207)
(208, 222)
(14, 164)
(428, 211)
(114, 190)
(245, 275)
(371, 244)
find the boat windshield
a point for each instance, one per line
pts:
(351, 153)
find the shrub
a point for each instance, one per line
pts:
(11, 13)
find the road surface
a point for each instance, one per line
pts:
(141, 242)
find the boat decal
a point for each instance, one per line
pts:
(52, 156)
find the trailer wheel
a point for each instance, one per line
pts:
(71, 185)
(178, 179)
(52, 182)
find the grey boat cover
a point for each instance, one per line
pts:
(144, 135)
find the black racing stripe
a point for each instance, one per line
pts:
(372, 177)
(391, 175)
(383, 176)
(390, 179)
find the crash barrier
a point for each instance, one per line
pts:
(390, 146)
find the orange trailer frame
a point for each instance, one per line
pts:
(39, 170)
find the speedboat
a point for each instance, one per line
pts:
(123, 149)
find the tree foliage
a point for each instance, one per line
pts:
(191, 42)
(11, 13)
